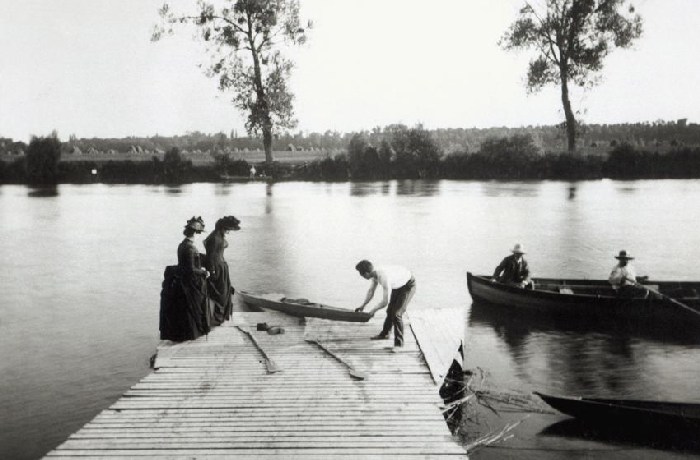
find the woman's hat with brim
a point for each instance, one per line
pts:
(518, 249)
(196, 224)
(623, 256)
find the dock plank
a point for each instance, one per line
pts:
(212, 397)
(439, 333)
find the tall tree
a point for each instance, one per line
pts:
(41, 161)
(571, 38)
(245, 41)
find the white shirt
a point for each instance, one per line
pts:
(621, 276)
(392, 276)
(389, 277)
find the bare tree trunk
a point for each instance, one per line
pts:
(569, 114)
(261, 98)
(267, 143)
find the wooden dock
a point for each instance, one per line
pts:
(214, 397)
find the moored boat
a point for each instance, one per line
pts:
(302, 307)
(639, 414)
(594, 299)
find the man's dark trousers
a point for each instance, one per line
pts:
(394, 312)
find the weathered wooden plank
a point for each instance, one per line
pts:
(259, 455)
(256, 453)
(212, 398)
(439, 333)
(436, 445)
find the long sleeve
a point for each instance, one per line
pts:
(188, 259)
(500, 268)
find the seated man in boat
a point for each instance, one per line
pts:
(398, 285)
(513, 270)
(623, 277)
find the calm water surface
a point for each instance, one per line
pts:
(82, 267)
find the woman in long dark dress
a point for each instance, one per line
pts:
(220, 289)
(183, 302)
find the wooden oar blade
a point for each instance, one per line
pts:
(271, 366)
(358, 375)
(354, 373)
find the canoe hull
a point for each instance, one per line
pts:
(651, 415)
(277, 302)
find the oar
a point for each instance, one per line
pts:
(665, 297)
(354, 373)
(269, 363)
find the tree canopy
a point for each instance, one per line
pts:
(571, 38)
(245, 43)
(41, 161)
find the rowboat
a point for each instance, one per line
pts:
(302, 307)
(629, 413)
(594, 299)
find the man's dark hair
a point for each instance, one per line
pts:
(364, 266)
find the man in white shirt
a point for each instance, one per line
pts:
(623, 277)
(399, 286)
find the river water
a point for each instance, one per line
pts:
(82, 267)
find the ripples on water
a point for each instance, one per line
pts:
(83, 267)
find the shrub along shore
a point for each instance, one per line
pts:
(410, 154)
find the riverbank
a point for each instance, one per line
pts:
(623, 162)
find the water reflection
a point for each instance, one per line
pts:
(418, 188)
(581, 355)
(43, 191)
(370, 188)
(507, 189)
(173, 189)
(677, 440)
(268, 198)
(222, 189)
(515, 327)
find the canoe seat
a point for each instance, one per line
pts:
(565, 290)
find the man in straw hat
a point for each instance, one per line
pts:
(623, 277)
(513, 269)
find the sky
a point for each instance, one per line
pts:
(88, 68)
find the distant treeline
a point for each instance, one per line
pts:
(659, 136)
(406, 153)
(507, 158)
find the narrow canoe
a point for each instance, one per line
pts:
(592, 298)
(651, 415)
(302, 307)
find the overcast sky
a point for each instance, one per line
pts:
(88, 67)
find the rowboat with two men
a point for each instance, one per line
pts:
(658, 302)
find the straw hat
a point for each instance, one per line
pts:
(518, 249)
(623, 256)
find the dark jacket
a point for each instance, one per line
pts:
(215, 244)
(188, 259)
(512, 271)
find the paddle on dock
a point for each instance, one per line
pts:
(269, 363)
(354, 373)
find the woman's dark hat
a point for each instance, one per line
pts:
(196, 224)
(623, 256)
(228, 223)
